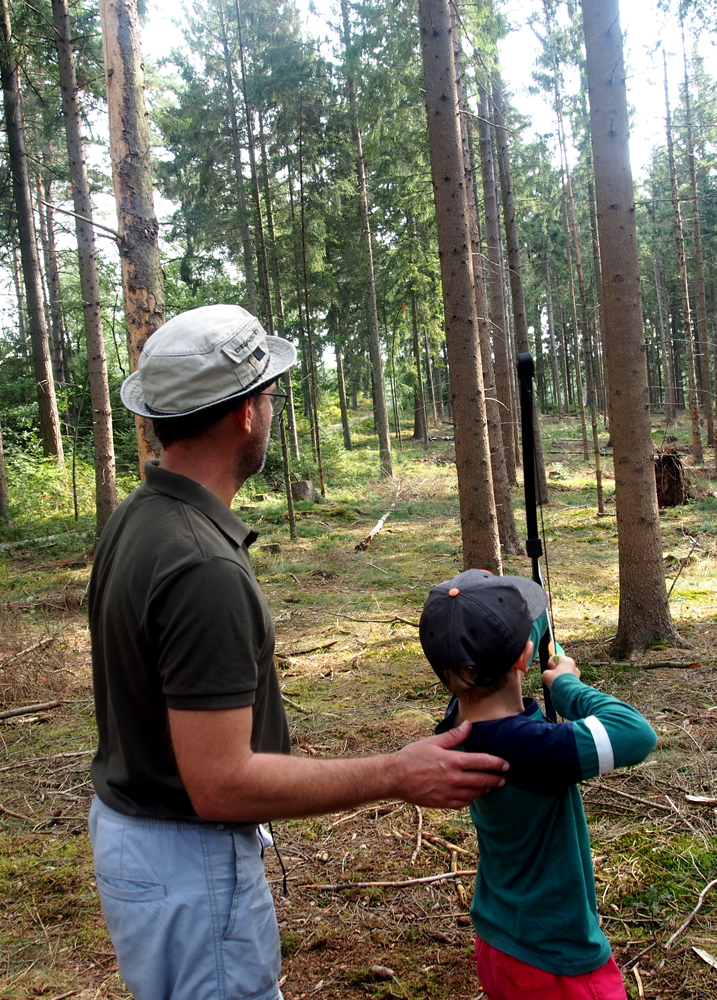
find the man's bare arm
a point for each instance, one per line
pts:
(227, 782)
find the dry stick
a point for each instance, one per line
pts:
(419, 835)
(634, 798)
(380, 621)
(10, 713)
(305, 652)
(638, 980)
(29, 649)
(9, 812)
(460, 888)
(652, 665)
(686, 923)
(684, 818)
(397, 885)
(433, 839)
(63, 996)
(353, 815)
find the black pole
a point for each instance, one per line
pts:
(533, 542)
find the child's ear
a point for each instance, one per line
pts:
(524, 659)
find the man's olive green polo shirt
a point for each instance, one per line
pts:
(177, 620)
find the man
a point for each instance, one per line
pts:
(193, 743)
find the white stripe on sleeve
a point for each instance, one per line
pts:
(606, 758)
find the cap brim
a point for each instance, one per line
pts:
(533, 595)
(282, 357)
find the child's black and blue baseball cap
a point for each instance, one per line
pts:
(479, 620)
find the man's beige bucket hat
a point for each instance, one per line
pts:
(202, 357)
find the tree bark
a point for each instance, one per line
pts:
(699, 264)
(345, 425)
(104, 453)
(684, 286)
(481, 545)
(515, 272)
(420, 424)
(374, 339)
(46, 215)
(644, 617)
(238, 174)
(499, 326)
(130, 153)
(15, 128)
(4, 495)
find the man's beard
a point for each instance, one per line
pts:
(251, 461)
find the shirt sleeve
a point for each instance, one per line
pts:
(608, 733)
(212, 630)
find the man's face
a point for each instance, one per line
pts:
(252, 458)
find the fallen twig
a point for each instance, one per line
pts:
(381, 621)
(353, 815)
(686, 923)
(29, 649)
(10, 713)
(684, 818)
(638, 980)
(396, 885)
(651, 665)
(460, 888)
(305, 652)
(9, 812)
(633, 798)
(702, 800)
(433, 839)
(419, 833)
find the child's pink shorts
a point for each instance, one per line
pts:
(505, 978)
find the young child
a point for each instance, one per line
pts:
(534, 908)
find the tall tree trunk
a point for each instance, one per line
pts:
(14, 126)
(4, 495)
(374, 339)
(438, 392)
(499, 326)
(684, 286)
(553, 346)
(46, 215)
(481, 545)
(130, 152)
(20, 296)
(644, 617)
(249, 276)
(668, 377)
(420, 424)
(699, 264)
(293, 435)
(520, 317)
(307, 310)
(104, 453)
(597, 269)
(429, 376)
(259, 228)
(345, 425)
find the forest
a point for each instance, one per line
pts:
(299, 161)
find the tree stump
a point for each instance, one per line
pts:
(304, 490)
(670, 479)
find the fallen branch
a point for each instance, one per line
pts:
(10, 713)
(702, 800)
(433, 839)
(9, 812)
(29, 649)
(686, 923)
(363, 545)
(396, 885)
(651, 665)
(44, 540)
(305, 652)
(299, 708)
(419, 835)
(389, 807)
(381, 621)
(633, 798)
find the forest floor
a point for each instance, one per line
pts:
(355, 681)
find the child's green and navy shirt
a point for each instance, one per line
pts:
(535, 889)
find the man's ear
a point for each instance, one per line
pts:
(524, 659)
(244, 413)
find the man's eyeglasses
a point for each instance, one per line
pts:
(278, 402)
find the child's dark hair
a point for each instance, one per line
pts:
(461, 681)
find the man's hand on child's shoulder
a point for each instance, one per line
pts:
(558, 665)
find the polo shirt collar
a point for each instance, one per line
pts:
(190, 492)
